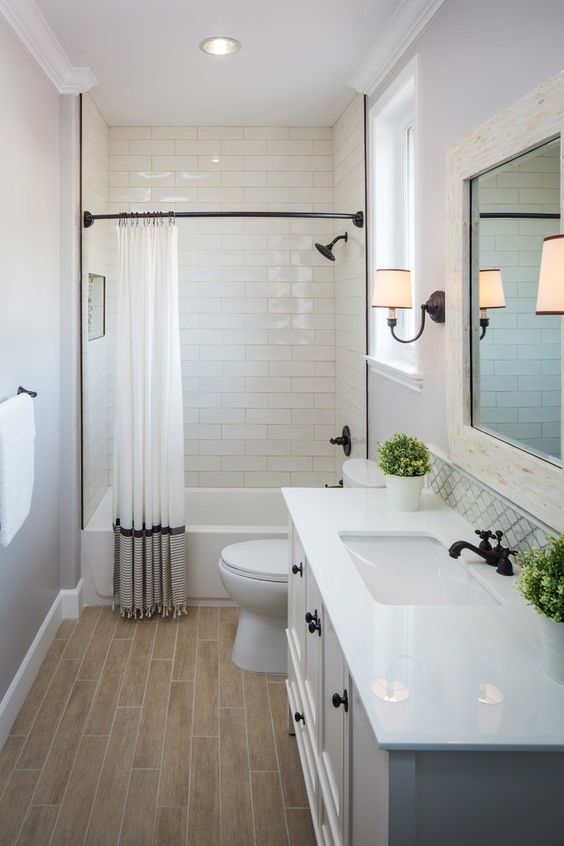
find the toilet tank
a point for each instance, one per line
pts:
(362, 473)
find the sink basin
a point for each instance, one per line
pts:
(413, 570)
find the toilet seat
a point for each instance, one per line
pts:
(263, 560)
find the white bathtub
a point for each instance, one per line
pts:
(215, 517)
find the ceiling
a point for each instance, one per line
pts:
(296, 60)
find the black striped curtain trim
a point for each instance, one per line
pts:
(144, 532)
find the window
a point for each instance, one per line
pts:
(393, 201)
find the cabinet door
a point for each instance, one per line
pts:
(334, 735)
(313, 643)
(369, 782)
(297, 601)
(325, 829)
(307, 759)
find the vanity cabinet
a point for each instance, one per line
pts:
(361, 794)
(338, 751)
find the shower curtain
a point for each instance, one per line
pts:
(148, 469)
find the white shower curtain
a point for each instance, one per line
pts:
(148, 470)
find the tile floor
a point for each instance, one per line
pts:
(145, 733)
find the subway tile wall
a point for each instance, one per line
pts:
(268, 376)
(350, 280)
(95, 354)
(257, 316)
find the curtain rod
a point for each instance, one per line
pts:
(523, 215)
(357, 218)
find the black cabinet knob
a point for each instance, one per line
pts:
(339, 700)
(299, 718)
(298, 569)
(313, 622)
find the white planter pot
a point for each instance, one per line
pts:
(404, 492)
(552, 639)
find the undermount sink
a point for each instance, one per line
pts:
(413, 570)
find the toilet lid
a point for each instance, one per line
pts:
(266, 560)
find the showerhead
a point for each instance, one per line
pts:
(326, 250)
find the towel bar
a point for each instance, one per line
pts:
(32, 394)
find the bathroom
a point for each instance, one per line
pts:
(318, 668)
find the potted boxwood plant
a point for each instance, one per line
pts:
(404, 460)
(542, 583)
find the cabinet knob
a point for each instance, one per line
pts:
(339, 700)
(313, 622)
(298, 569)
(299, 718)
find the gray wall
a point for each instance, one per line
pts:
(29, 334)
(476, 58)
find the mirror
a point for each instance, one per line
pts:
(96, 306)
(515, 353)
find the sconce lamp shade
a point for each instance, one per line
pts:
(550, 296)
(491, 288)
(392, 289)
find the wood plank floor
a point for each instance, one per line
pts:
(146, 733)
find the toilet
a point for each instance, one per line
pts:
(255, 575)
(362, 473)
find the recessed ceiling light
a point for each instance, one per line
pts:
(220, 46)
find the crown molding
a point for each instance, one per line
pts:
(33, 31)
(407, 23)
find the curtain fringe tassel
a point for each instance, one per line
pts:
(168, 610)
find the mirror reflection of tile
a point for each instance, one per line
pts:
(516, 364)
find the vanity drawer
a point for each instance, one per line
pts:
(313, 645)
(325, 829)
(334, 732)
(297, 599)
(307, 758)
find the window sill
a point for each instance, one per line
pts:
(408, 378)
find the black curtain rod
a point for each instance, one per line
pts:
(523, 215)
(357, 218)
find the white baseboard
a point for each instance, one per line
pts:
(68, 603)
(72, 601)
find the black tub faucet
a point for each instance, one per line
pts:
(496, 556)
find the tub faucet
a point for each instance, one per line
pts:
(496, 556)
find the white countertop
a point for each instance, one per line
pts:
(444, 655)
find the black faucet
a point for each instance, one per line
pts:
(496, 556)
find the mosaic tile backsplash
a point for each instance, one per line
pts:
(485, 509)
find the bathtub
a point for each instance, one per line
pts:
(215, 517)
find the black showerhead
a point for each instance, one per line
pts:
(326, 250)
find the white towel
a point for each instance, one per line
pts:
(17, 452)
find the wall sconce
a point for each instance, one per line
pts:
(550, 296)
(392, 290)
(490, 294)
